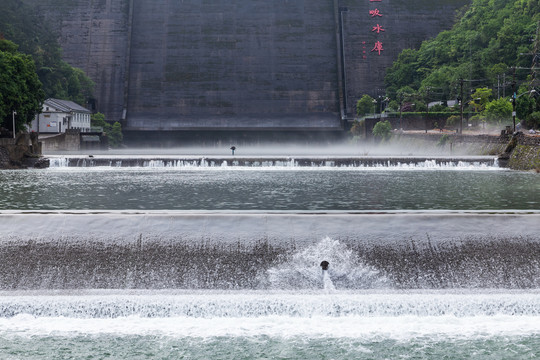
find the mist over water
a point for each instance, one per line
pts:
(331, 148)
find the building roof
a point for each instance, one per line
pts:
(65, 106)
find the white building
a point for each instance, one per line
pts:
(59, 115)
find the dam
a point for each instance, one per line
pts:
(166, 66)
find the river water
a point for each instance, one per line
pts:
(173, 259)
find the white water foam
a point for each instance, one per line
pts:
(389, 315)
(303, 271)
(281, 164)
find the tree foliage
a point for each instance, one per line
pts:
(113, 131)
(485, 44)
(382, 130)
(22, 25)
(480, 98)
(20, 88)
(498, 111)
(365, 106)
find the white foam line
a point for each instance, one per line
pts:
(369, 328)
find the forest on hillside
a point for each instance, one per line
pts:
(490, 56)
(21, 25)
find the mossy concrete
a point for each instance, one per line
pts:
(519, 152)
(22, 152)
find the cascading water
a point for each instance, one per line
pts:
(216, 281)
(463, 163)
(302, 270)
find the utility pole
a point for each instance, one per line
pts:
(514, 98)
(461, 106)
(535, 55)
(504, 85)
(400, 113)
(498, 87)
(13, 113)
(427, 107)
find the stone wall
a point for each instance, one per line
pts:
(521, 152)
(68, 141)
(22, 152)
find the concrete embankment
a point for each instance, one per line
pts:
(22, 152)
(518, 152)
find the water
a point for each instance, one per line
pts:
(285, 325)
(270, 188)
(428, 260)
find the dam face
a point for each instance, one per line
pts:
(165, 65)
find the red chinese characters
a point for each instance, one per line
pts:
(375, 12)
(378, 46)
(377, 28)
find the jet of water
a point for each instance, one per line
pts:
(348, 271)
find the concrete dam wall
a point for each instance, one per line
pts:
(163, 65)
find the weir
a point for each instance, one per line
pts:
(285, 161)
(271, 250)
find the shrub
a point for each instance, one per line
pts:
(365, 106)
(382, 130)
(498, 111)
(533, 120)
(358, 128)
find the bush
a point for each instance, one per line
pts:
(382, 130)
(439, 108)
(453, 121)
(113, 132)
(365, 106)
(533, 120)
(477, 119)
(358, 129)
(443, 140)
(393, 106)
(498, 111)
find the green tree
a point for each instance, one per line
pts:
(498, 111)
(453, 121)
(382, 130)
(358, 128)
(488, 35)
(20, 88)
(23, 25)
(115, 135)
(480, 98)
(365, 106)
(113, 132)
(533, 120)
(528, 101)
(98, 120)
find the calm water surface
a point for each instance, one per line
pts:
(268, 189)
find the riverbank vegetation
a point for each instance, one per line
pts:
(487, 56)
(22, 25)
(36, 41)
(21, 94)
(113, 131)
